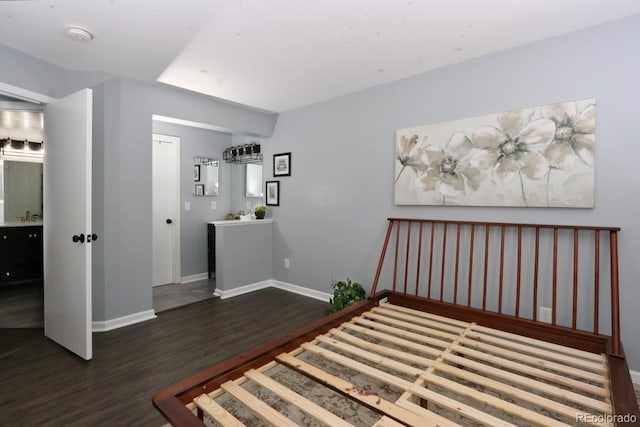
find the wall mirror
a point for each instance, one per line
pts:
(205, 176)
(253, 180)
(20, 191)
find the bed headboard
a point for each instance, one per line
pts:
(510, 269)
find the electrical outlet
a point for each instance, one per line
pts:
(187, 206)
(286, 263)
(213, 205)
(544, 315)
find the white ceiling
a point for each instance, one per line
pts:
(280, 54)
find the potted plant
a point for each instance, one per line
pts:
(345, 293)
(260, 210)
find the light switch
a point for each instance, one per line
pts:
(213, 205)
(187, 206)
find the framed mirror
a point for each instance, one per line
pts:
(20, 191)
(253, 180)
(206, 174)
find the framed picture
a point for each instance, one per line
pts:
(273, 193)
(199, 190)
(196, 173)
(282, 164)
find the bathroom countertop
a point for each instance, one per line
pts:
(235, 222)
(21, 224)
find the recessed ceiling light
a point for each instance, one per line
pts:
(79, 34)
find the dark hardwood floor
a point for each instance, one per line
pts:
(22, 306)
(41, 384)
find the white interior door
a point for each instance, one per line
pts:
(166, 210)
(67, 222)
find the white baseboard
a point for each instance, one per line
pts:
(242, 289)
(119, 322)
(289, 287)
(194, 278)
(635, 377)
(311, 293)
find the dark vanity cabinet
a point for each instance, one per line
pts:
(211, 249)
(21, 258)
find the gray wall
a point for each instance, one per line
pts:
(123, 109)
(334, 207)
(193, 230)
(125, 184)
(243, 254)
(36, 75)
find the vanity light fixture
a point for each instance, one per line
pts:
(23, 148)
(247, 153)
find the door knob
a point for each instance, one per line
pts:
(92, 237)
(78, 238)
(169, 221)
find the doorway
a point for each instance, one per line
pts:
(165, 216)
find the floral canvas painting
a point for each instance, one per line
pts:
(534, 157)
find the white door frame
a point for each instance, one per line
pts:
(177, 277)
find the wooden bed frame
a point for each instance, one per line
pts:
(443, 346)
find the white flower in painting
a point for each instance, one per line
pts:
(409, 151)
(574, 135)
(448, 169)
(511, 148)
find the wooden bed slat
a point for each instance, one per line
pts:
(539, 343)
(402, 333)
(417, 320)
(369, 399)
(318, 412)
(418, 313)
(256, 405)
(423, 412)
(469, 392)
(558, 367)
(217, 412)
(533, 371)
(393, 339)
(496, 385)
(531, 350)
(451, 404)
(387, 422)
(411, 326)
(548, 389)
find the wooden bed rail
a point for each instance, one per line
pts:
(481, 265)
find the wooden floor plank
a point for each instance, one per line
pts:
(130, 364)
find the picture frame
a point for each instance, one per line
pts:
(282, 164)
(199, 190)
(272, 193)
(196, 173)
